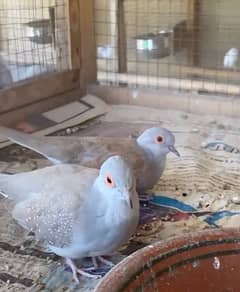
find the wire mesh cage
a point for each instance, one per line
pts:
(34, 39)
(180, 44)
(157, 63)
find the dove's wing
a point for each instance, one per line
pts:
(25, 185)
(88, 151)
(51, 213)
(94, 151)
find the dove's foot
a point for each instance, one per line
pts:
(95, 263)
(76, 270)
(144, 198)
(106, 262)
(102, 260)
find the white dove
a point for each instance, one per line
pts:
(231, 58)
(78, 212)
(146, 154)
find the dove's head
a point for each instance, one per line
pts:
(158, 141)
(117, 181)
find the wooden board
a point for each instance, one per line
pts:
(12, 117)
(193, 26)
(165, 99)
(181, 71)
(38, 89)
(49, 118)
(45, 87)
(183, 84)
(74, 33)
(122, 39)
(88, 45)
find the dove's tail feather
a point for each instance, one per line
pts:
(34, 143)
(20, 138)
(12, 188)
(4, 181)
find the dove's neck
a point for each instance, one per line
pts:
(157, 158)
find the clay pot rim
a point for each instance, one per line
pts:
(129, 267)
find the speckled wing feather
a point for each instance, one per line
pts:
(51, 213)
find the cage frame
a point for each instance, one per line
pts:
(196, 96)
(46, 92)
(193, 25)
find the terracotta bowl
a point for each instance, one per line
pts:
(205, 261)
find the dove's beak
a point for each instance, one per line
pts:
(173, 150)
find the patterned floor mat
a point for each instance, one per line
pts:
(198, 191)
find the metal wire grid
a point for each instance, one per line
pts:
(33, 39)
(202, 43)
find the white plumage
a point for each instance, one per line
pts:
(77, 211)
(146, 154)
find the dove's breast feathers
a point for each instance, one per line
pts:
(103, 233)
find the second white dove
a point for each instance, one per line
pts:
(146, 154)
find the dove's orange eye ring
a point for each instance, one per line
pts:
(159, 139)
(109, 181)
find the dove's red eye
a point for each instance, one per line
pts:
(159, 139)
(109, 181)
